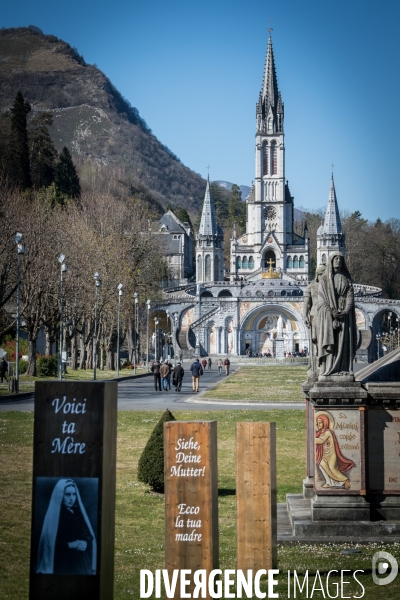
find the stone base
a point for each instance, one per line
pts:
(308, 487)
(279, 349)
(304, 528)
(340, 508)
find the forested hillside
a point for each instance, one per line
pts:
(106, 136)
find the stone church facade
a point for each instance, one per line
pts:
(269, 263)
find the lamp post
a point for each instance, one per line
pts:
(97, 283)
(148, 317)
(135, 333)
(20, 250)
(169, 345)
(398, 332)
(120, 293)
(390, 332)
(63, 269)
(176, 327)
(378, 339)
(155, 338)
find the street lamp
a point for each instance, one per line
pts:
(97, 283)
(64, 269)
(390, 331)
(120, 293)
(20, 250)
(156, 336)
(176, 327)
(135, 295)
(148, 317)
(378, 339)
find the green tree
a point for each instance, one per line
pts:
(182, 215)
(66, 177)
(18, 164)
(42, 151)
(151, 462)
(237, 208)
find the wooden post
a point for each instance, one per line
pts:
(73, 501)
(191, 496)
(256, 496)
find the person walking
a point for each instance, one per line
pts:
(3, 369)
(164, 372)
(204, 363)
(171, 368)
(155, 369)
(227, 364)
(220, 364)
(180, 356)
(209, 362)
(177, 376)
(197, 371)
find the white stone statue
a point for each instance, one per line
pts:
(279, 327)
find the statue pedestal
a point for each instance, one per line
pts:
(279, 349)
(353, 474)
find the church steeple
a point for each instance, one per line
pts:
(332, 224)
(210, 244)
(208, 223)
(330, 236)
(270, 106)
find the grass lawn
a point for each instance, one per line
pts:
(27, 382)
(261, 384)
(139, 542)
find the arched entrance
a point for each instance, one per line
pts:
(259, 331)
(269, 259)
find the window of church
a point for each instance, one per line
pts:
(265, 160)
(199, 269)
(273, 153)
(295, 263)
(289, 263)
(301, 262)
(251, 262)
(238, 262)
(244, 263)
(323, 259)
(283, 293)
(269, 123)
(207, 268)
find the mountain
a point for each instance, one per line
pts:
(245, 189)
(92, 118)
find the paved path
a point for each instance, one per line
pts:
(139, 394)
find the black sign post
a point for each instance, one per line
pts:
(73, 500)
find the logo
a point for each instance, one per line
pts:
(381, 564)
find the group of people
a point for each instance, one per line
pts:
(163, 371)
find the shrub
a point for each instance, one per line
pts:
(151, 463)
(47, 366)
(23, 366)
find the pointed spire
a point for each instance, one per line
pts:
(332, 224)
(270, 98)
(269, 92)
(208, 223)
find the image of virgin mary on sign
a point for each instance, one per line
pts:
(67, 543)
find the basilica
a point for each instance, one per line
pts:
(256, 307)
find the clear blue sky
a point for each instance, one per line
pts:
(194, 71)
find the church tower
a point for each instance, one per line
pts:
(270, 248)
(330, 236)
(210, 244)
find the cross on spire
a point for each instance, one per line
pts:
(208, 169)
(332, 165)
(270, 29)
